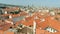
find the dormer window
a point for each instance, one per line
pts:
(51, 29)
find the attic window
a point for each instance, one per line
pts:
(42, 20)
(10, 27)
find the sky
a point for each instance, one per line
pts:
(47, 3)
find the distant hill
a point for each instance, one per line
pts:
(8, 5)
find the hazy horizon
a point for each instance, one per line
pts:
(37, 3)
